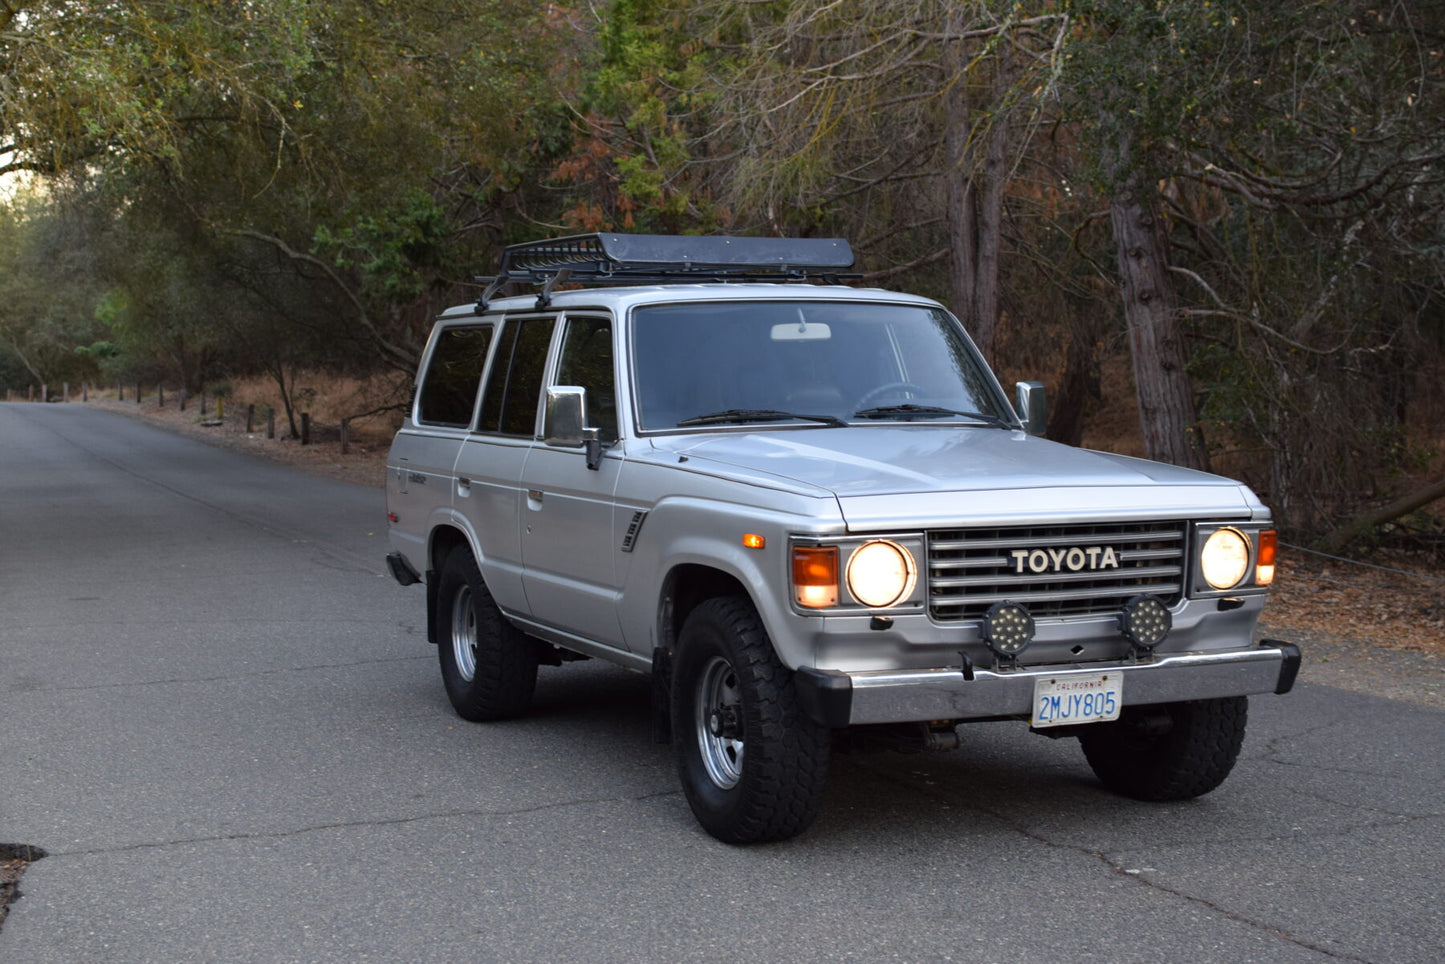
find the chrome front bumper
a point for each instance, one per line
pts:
(842, 699)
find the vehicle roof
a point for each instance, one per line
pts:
(621, 299)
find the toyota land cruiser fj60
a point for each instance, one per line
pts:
(808, 510)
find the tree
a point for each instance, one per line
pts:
(877, 117)
(47, 289)
(1264, 186)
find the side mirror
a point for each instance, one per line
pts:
(566, 416)
(1033, 407)
(564, 423)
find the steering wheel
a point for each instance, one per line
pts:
(883, 391)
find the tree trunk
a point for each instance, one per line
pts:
(1361, 525)
(1156, 334)
(1080, 383)
(974, 196)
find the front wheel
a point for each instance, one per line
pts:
(1172, 751)
(752, 763)
(489, 666)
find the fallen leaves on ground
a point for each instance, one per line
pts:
(1398, 607)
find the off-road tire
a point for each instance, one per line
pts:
(773, 773)
(1193, 755)
(489, 666)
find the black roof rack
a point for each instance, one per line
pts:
(667, 259)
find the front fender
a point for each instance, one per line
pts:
(692, 532)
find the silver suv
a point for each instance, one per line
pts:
(810, 513)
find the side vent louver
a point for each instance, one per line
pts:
(633, 527)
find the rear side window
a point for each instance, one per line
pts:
(449, 389)
(509, 405)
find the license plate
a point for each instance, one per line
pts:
(1070, 700)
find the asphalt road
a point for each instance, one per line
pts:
(224, 724)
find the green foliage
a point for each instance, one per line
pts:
(397, 251)
(257, 186)
(639, 160)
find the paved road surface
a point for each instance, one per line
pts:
(225, 725)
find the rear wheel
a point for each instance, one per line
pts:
(1172, 751)
(752, 763)
(489, 666)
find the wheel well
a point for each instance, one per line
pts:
(687, 586)
(443, 540)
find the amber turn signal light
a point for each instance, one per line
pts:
(1264, 562)
(815, 576)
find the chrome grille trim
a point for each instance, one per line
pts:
(971, 569)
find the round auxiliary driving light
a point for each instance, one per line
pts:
(1145, 622)
(1008, 628)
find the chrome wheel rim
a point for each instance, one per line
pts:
(718, 722)
(464, 634)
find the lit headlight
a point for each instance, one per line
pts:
(1224, 559)
(881, 574)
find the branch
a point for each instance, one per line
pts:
(397, 355)
(1359, 526)
(873, 277)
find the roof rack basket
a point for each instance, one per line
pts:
(604, 259)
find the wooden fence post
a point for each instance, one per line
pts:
(203, 403)
(85, 391)
(345, 436)
(270, 422)
(250, 419)
(44, 392)
(65, 391)
(305, 428)
(137, 393)
(160, 395)
(119, 392)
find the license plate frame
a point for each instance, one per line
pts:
(1077, 699)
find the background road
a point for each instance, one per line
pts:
(225, 725)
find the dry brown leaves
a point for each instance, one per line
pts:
(1394, 609)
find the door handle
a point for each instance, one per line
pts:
(534, 498)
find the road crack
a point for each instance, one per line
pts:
(1116, 868)
(359, 824)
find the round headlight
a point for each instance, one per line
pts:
(1224, 560)
(881, 574)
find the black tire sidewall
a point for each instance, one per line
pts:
(785, 756)
(455, 576)
(506, 659)
(1190, 760)
(703, 642)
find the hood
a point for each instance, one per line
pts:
(935, 475)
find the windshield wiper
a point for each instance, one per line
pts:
(737, 416)
(910, 411)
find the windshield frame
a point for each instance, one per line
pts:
(994, 395)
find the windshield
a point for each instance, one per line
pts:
(816, 362)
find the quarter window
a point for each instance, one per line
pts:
(449, 390)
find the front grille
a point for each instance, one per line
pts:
(971, 569)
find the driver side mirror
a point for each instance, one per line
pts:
(564, 423)
(1032, 406)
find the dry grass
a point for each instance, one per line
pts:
(328, 398)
